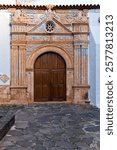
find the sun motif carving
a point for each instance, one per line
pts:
(50, 25)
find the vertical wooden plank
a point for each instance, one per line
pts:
(50, 78)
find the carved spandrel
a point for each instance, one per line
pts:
(30, 48)
(69, 48)
(69, 17)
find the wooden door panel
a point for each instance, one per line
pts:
(57, 92)
(50, 78)
(61, 79)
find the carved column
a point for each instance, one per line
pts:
(18, 75)
(18, 86)
(84, 65)
(80, 87)
(18, 65)
(69, 82)
(22, 65)
(14, 65)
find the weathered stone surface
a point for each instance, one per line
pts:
(21, 124)
(31, 37)
(92, 128)
(45, 132)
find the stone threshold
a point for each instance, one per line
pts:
(51, 102)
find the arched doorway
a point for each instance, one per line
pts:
(49, 78)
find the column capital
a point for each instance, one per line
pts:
(14, 46)
(22, 47)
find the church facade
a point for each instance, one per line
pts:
(48, 55)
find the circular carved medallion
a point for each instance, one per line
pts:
(50, 25)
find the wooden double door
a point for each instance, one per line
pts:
(49, 78)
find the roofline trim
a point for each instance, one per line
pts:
(43, 7)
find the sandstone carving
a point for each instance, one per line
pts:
(35, 32)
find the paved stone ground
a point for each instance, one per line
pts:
(54, 127)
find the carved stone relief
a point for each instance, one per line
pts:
(69, 48)
(76, 16)
(4, 78)
(19, 16)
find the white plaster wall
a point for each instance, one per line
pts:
(98, 75)
(92, 69)
(4, 45)
(94, 57)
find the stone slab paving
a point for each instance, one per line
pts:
(54, 127)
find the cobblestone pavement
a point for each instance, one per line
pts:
(54, 127)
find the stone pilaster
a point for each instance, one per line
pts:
(69, 83)
(30, 83)
(14, 65)
(22, 65)
(80, 87)
(18, 86)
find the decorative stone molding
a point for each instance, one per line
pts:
(69, 69)
(50, 26)
(4, 78)
(19, 17)
(76, 17)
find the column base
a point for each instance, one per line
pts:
(18, 94)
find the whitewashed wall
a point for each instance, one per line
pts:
(94, 57)
(4, 47)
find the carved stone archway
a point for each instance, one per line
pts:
(30, 70)
(35, 53)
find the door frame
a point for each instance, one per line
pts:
(30, 70)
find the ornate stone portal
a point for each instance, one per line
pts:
(34, 32)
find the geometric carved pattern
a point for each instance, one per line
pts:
(4, 78)
(50, 26)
